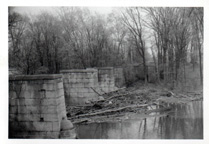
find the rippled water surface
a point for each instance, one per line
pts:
(184, 122)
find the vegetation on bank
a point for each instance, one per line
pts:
(168, 39)
(163, 47)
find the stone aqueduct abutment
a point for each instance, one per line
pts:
(37, 103)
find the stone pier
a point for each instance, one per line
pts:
(119, 77)
(80, 86)
(37, 103)
(106, 79)
(36, 106)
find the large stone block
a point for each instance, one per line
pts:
(37, 135)
(85, 80)
(78, 85)
(58, 101)
(50, 81)
(56, 126)
(68, 90)
(33, 86)
(73, 80)
(33, 109)
(83, 90)
(21, 94)
(31, 126)
(32, 102)
(33, 117)
(79, 80)
(12, 95)
(81, 94)
(48, 102)
(65, 80)
(88, 84)
(60, 85)
(41, 126)
(66, 86)
(62, 113)
(60, 93)
(49, 86)
(75, 94)
(49, 94)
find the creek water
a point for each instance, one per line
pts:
(185, 121)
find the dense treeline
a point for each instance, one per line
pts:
(74, 37)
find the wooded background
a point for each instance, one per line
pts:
(168, 38)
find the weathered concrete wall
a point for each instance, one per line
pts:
(119, 77)
(106, 79)
(79, 86)
(36, 106)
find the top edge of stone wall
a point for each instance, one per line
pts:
(106, 68)
(118, 67)
(35, 77)
(78, 71)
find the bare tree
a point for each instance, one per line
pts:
(196, 21)
(171, 33)
(77, 38)
(16, 30)
(132, 19)
(72, 32)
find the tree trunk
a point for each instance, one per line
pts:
(145, 71)
(200, 61)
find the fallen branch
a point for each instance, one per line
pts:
(81, 121)
(158, 110)
(116, 96)
(112, 110)
(95, 91)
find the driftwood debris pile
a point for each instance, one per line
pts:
(110, 106)
(139, 100)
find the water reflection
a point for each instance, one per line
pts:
(185, 122)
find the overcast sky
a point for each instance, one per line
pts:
(36, 10)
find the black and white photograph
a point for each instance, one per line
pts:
(132, 72)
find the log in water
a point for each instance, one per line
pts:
(184, 122)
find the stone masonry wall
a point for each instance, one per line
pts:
(80, 85)
(106, 79)
(119, 77)
(36, 106)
